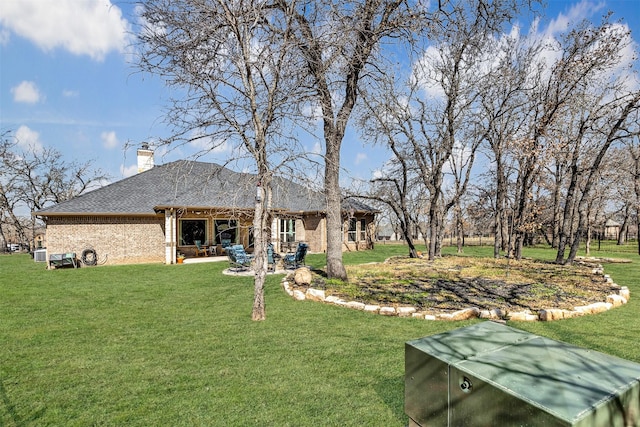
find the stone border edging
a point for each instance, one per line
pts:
(620, 296)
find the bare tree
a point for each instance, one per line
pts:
(632, 149)
(237, 79)
(33, 178)
(599, 114)
(504, 111)
(339, 41)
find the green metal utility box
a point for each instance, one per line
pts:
(490, 374)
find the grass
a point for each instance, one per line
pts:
(174, 345)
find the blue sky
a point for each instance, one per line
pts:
(66, 81)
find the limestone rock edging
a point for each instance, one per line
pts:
(619, 296)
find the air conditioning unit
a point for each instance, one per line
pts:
(40, 255)
(490, 374)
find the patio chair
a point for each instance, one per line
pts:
(200, 249)
(225, 244)
(271, 262)
(297, 259)
(238, 258)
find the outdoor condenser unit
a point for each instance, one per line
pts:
(490, 374)
(40, 255)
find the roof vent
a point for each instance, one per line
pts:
(145, 158)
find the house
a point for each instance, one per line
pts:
(611, 229)
(165, 209)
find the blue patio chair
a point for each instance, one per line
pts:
(297, 259)
(238, 258)
(271, 263)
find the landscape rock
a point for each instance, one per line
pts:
(287, 288)
(371, 308)
(570, 314)
(405, 311)
(550, 314)
(624, 293)
(355, 305)
(333, 299)
(523, 316)
(466, 313)
(616, 300)
(597, 307)
(493, 314)
(302, 276)
(299, 295)
(387, 311)
(315, 294)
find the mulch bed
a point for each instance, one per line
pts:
(454, 283)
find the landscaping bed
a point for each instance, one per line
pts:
(452, 283)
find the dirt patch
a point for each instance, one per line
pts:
(452, 283)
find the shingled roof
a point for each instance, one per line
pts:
(185, 184)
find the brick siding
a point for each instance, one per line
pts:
(116, 240)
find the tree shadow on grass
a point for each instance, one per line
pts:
(12, 412)
(391, 391)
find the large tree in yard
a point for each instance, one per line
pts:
(237, 82)
(339, 41)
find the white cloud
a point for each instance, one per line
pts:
(360, 157)
(573, 16)
(109, 140)
(28, 139)
(128, 170)
(83, 27)
(5, 36)
(68, 93)
(26, 92)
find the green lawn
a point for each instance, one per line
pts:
(175, 345)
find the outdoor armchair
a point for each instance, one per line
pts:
(200, 249)
(238, 258)
(296, 259)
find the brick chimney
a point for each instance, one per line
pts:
(145, 158)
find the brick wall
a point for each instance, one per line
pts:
(314, 233)
(116, 240)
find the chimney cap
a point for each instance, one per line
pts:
(144, 145)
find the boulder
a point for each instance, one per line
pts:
(302, 276)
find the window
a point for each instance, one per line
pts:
(351, 234)
(226, 232)
(363, 230)
(287, 230)
(192, 230)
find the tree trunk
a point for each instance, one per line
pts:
(335, 267)
(500, 212)
(261, 239)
